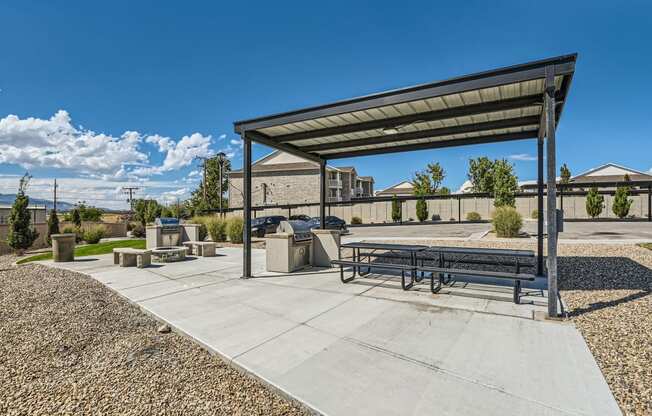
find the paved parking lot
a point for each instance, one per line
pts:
(639, 231)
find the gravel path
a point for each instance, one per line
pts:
(71, 346)
(608, 293)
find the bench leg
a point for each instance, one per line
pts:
(347, 280)
(440, 279)
(116, 258)
(517, 291)
(405, 286)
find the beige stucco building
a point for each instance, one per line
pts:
(281, 178)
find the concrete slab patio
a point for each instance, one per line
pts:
(368, 348)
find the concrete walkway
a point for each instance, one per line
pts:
(368, 348)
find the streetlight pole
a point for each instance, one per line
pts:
(220, 159)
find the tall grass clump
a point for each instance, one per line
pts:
(234, 229)
(507, 222)
(94, 234)
(216, 228)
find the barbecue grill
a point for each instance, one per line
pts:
(289, 249)
(170, 229)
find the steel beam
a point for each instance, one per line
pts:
(463, 111)
(322, 195)
(529, 134)
(246, 209)
(549, 100)
(540, 209)
(424, 134)
(268, 141)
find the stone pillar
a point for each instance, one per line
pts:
(325, 247)
(63, 247)
(190, 232)
(153, 236)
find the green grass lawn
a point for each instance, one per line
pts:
(646, 245)
(91, 249)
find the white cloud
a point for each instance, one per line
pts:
(523, 157)
(57, 143)
(178, 154)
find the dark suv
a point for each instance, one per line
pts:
(264, 225)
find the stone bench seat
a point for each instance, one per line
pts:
(200, 248)
(129, 257)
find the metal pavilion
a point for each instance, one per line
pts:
(512, 103)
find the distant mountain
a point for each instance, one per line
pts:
(8, 199)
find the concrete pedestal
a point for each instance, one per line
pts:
(63, 247)
(325, 247)
(190, 232)
(285, 255)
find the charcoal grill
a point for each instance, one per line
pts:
(289, 248)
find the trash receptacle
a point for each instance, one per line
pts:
(63, 247)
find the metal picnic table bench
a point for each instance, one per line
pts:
(446, 258)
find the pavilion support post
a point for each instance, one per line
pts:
(649, 203)
(540, 203)
(246, 209)
(549, 108)
(322, 194)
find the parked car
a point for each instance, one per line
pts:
(266, 225)
(300, 217)
(332, 223)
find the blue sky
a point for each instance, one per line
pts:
(148, 85)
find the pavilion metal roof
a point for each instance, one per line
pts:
(492, 106)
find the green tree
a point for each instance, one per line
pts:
(481, 174)
(626, 178)
(594, 202)
(53, 225)
(88, 213)
(565, 173)
(444, 191)
(428, 181)
(621, 203)
(21, 236)
(75, 217)
(422, 210)
(396, 209)
(505, 183)
(146, 211)
(212, 200)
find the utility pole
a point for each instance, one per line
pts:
(55, 195)
(178, 210)
(203, 166)
(130, 190)
(220, 159)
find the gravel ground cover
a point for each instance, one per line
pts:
(608, 293)
(68, 345)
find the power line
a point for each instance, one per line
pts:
(130, 190)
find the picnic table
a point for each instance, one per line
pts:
(446, 261)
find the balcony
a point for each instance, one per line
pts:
(334, 199)
(334, 183)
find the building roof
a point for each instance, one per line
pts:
(610, 172)
(401, 187)
(366, 178)
(493, 106)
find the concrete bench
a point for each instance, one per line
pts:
(129, 257)
(200, 248)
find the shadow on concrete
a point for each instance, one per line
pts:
(604, 273)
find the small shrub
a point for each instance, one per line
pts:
(451, 219)
(234, 229)
(94, 234)
(473, 216)
(356, 220)
(53, 225)
(535, 214)
(621, 203)
(138, 231)
(594, 202)
(216, 228)
(507, 222)
(397, 213)
(69, 229)
(435, 217)
(130, 226)
(422, 210)
(203, 229)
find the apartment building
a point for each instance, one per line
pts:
(281, 178)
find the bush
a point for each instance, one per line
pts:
(396, 210)
(621, 203)
(535, 214)
(234, 229)
(356, 220)
(203, 229)
(507, 222)
(69, 229)
(138, 231)
(422, 210)
(473, 216)
(53, 225)
(216, 228)
(435, 217)
(130, 226)
(594, 202)
(94, 234)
